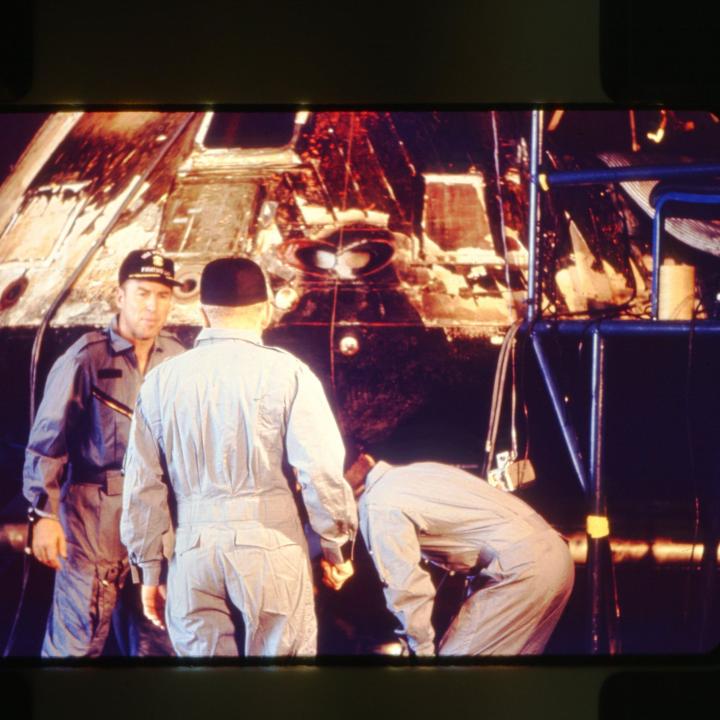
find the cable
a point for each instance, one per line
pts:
(333, 312)
(336, 289)
(497, 396)
(21, 599)
(501, 213)
(521, 384)
(693, 475)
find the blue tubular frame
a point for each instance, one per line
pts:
(689, 198)
(626, 174)
(590, 477)
(624, 328)
(569, 435)
(533, 295)
(597, 494)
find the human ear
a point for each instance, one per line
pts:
(205, 318)
(267, 315)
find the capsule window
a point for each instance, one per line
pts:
(250, 130)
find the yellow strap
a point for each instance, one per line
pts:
(598, 526)
(543, 182)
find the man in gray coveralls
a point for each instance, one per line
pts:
(83, 423)
(519, 570)
(209, 437)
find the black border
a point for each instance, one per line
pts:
(452, 54)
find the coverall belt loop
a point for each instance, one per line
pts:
(111, 481)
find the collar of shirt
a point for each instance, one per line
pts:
(211, 335)
(376, 472)
(120, 344)
(117, 341)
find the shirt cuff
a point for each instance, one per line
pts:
(46, 504)
(150, 572)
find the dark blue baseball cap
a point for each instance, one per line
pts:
(148, 265)
(232, 282)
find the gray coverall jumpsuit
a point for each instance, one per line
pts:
(449, 517)
(215, 424)
(83, 423)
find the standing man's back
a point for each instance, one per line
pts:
(220, 424)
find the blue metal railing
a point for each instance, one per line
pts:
(681, 196)
(533, 294)
(626, 174)
(589, 475)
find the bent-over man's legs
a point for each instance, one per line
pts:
(517, 609)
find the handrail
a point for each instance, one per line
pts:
(682, 196)
(626, 174)
(533, 291)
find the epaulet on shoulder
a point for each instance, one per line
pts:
(89, 338)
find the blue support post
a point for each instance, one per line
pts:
(597, 490)
(591, 480)
(533, 293)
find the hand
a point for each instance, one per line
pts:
(153, 602)
(397, 648)
(335, 576)
(48, 542)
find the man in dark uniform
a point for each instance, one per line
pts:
(519, 570)
(72, 474)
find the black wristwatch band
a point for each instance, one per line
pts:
(33, 517)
